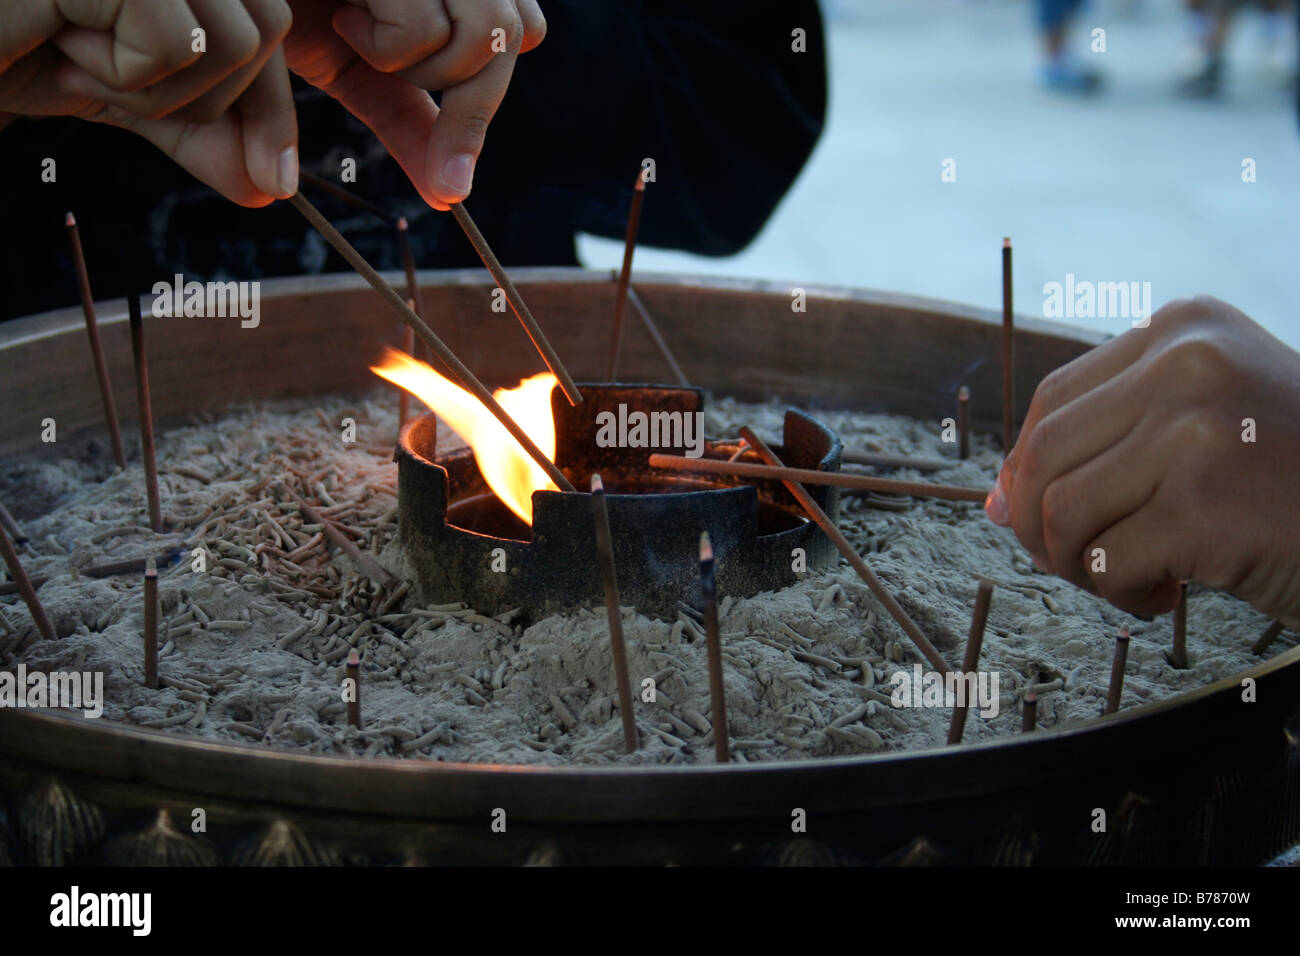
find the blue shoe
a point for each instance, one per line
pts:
(1068, 78)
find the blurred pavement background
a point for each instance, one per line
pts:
(1133, 184)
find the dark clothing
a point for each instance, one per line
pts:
(712, 91)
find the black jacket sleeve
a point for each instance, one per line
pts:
(714, 92)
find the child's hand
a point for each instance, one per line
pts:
(380, 57)
(224, 112)
(1173, 449)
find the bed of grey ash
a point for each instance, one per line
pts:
(254, 646)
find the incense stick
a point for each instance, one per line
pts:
(1268, 637)
(605, 550)
(25, 587)
(125, 566)
(881, 460)
(1117, 671)
(713, 638)
(963, 423)
(517, 304)
(464, 376)
(338, 192)
(354, 674)
(620, 297)
(408, 266)
(15, 530)
(900, 616)
(1029, 718)
(151, 625)
(839, 479)
(96, 346)
(656, 336)
(1008, 355)
(1178, 656)
(974, 641)
(142, 396)
(408, 346)
(366, 564)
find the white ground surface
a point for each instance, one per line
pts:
(1135, 184)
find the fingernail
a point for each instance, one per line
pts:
(289, 171)
(1040, 564)
(458, 173)
(995, 505)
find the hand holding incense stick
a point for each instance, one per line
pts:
(1127, 497)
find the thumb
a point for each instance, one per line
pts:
(457, 137)
(270, 129)
(248, 154)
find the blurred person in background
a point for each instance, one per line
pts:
(1202, 72)
(1061, 72)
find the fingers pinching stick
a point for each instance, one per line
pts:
(1117, 671)
(605, 549)
(25, 587)
(900, 616)
(517, 305)
(464, 376)
(979, 618)
(713, 638)
(96, 346)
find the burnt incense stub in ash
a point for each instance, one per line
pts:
(463, 544)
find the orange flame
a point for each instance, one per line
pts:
(508, 470)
